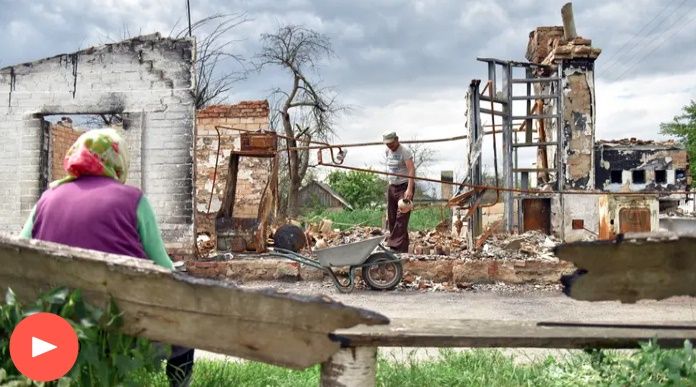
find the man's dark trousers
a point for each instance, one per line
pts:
(397, 222)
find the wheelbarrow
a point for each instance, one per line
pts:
(381, 269)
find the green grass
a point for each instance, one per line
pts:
(422, 219)
(481, 367)
(212, 373)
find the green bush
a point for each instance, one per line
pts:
(360, 189)
(106, 357)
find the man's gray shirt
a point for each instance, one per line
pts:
(396, 163)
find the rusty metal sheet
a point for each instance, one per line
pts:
(258, 142)
(536, 215)
(632, 267)
(634, 220)
(606, 225)
(264, 325)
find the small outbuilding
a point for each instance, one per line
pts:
(319, 195)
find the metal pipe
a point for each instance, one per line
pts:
(569, 32)
(354, 145)
(217, 156)
(324, 145)
(489, 187)
(489, 86)
(503, 189)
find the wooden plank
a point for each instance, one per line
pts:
(633, 267)
(507, 334)
(264, 325)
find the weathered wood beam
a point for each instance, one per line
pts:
(263, 325)
(519, 334)
(633, 267)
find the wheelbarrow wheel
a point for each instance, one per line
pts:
(381, 272)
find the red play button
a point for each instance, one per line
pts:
(43, 347)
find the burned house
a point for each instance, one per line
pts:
(556, 176)
(148, 81)
(180, 157)
(637, 165)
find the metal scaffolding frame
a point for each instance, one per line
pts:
(513, 175)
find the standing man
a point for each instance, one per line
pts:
(399, 162)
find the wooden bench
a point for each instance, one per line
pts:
(356, 363)
(263, 325)
(297, 331)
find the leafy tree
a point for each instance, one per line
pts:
(684, 128)
(360, 189)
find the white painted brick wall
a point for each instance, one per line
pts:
(148, 79)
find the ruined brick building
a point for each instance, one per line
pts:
(148, 82)
(578, 187)
(218, 146)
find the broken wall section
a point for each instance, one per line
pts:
(633, 165)
(254, 173)
(149, 81)
(578, 123)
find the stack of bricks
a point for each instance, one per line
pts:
(547, 45)
(253, 174)
(542, 41)
(62, 137)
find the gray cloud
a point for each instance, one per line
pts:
(403, 64)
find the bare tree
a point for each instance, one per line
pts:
(423, 157)
(306, 111)
(213, 52)
(212, 60)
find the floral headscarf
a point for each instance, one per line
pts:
(98, 152)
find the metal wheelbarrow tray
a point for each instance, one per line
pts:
(381, 269)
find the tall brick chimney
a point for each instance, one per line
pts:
(574, 58)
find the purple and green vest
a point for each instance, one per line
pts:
(92, 212)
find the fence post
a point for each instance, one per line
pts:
(350, 367)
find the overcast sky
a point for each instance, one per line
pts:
(405, 65)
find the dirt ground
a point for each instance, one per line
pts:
(495, 302)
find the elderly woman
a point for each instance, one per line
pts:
(92, 208)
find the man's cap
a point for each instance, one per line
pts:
(389, 136)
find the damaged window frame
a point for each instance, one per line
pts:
(91, 121)
(661, 176)
(640, 174)
(613, 176)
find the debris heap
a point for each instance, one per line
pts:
(443, 244)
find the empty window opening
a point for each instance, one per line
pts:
(617, 177)
(61, 131)
(660, 176)
(638, 177)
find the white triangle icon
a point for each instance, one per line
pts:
(39, 347)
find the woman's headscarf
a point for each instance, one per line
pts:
(98, 152)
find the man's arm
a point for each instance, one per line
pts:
(411, 167)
